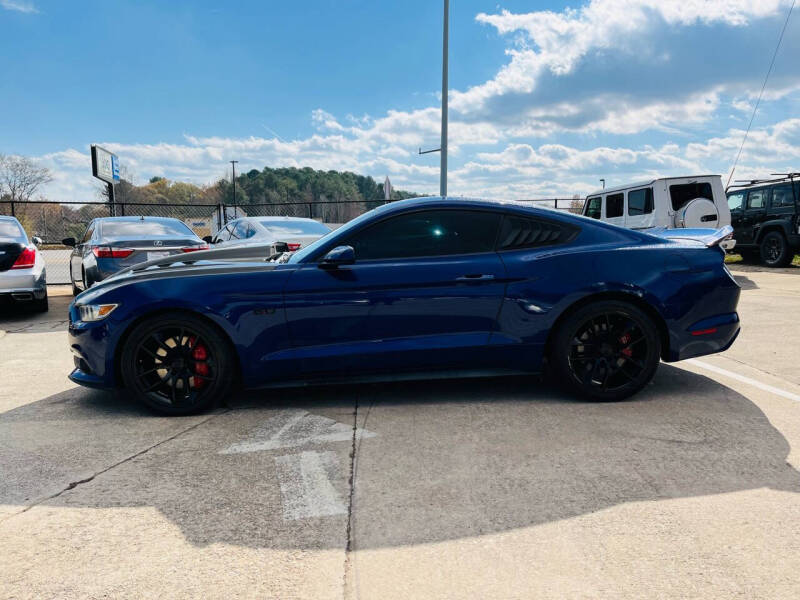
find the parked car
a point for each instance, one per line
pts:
(114, 243)
(667, 203)
(23, 276)
(295, 232)
(413, 288)
(766, 221)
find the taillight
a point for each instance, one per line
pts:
(108, 252)
(195, 248)
(293, 247)
(26, 260)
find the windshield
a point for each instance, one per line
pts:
(291, 228)
(145, 228)
(309, 250)
(10, 231)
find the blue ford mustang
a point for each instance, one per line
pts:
(424, 287)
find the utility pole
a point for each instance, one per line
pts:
(233, 179)
(445, 61)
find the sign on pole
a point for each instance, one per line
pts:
(105, 165)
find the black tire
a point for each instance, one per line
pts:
(606, 351)
(86, 283)
(153, 364)
(41, 305)
(775, 251)
(75, 289)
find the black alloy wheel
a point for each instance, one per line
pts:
(176, 364)
(775, 250)
(607, 350)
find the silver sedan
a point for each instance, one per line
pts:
(295, 232)
(23, 277)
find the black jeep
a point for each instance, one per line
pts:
(765, 216)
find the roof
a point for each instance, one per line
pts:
(137, 218)
(639, 184)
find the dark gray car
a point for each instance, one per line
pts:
(111, 244)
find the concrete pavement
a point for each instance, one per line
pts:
(453, 489)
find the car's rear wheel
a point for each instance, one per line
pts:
(41, 305)
(606, 351)
(177, 364)
(775, 251)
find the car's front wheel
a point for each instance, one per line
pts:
(606, 351)
(177, 364)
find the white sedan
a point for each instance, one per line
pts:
(295, 232)
(23, 278)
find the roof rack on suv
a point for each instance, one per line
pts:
(739, 183)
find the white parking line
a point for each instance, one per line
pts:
(743, 379)
(305, 485)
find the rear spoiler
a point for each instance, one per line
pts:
(722, 237)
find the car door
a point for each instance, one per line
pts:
(754, 214)
(424, 292)
(78, 252)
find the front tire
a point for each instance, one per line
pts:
(606, 351)
(177, 364)
(775, 251)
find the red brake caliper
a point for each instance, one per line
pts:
(200, 354)
(625, 340)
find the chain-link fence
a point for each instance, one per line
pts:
(55, 221)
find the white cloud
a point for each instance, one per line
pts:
(19, 6)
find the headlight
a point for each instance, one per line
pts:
(95, 312)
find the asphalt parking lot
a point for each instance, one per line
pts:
(450, 489)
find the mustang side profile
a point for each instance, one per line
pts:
(416, 288)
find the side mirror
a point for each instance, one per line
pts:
(69, 242)
(341, 255)
(37, 241)
(208, 239)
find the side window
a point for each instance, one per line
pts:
(251, 230)
(614, 205)
(756, 199)
(239, 231)
(519, 232)
(593, 206)
(782, 196)
(736, 201)
(88, 235)
(640, 202)
(224, 234)
(682, 194)
(427, 233)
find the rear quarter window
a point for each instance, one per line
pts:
(521, 232)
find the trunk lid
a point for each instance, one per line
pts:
(9, 252)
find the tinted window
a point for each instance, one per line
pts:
(427, 233)
(735, 201)
(614, 204)
(11, 232)
(782, 196)
(756, 199)
(640, 202)
(593, 207)
(291, 228)
(682, 194)
(519, 232)
(145, 228)
(88, 235)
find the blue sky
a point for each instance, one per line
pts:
(547, 97)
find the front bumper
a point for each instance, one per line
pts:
(89, 344)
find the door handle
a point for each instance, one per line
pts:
(475, 277)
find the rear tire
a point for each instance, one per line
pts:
(177, 364)
(606, 351)
(41, 305)
(775, 251)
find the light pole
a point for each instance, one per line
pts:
(445, 61)
(233, 179)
